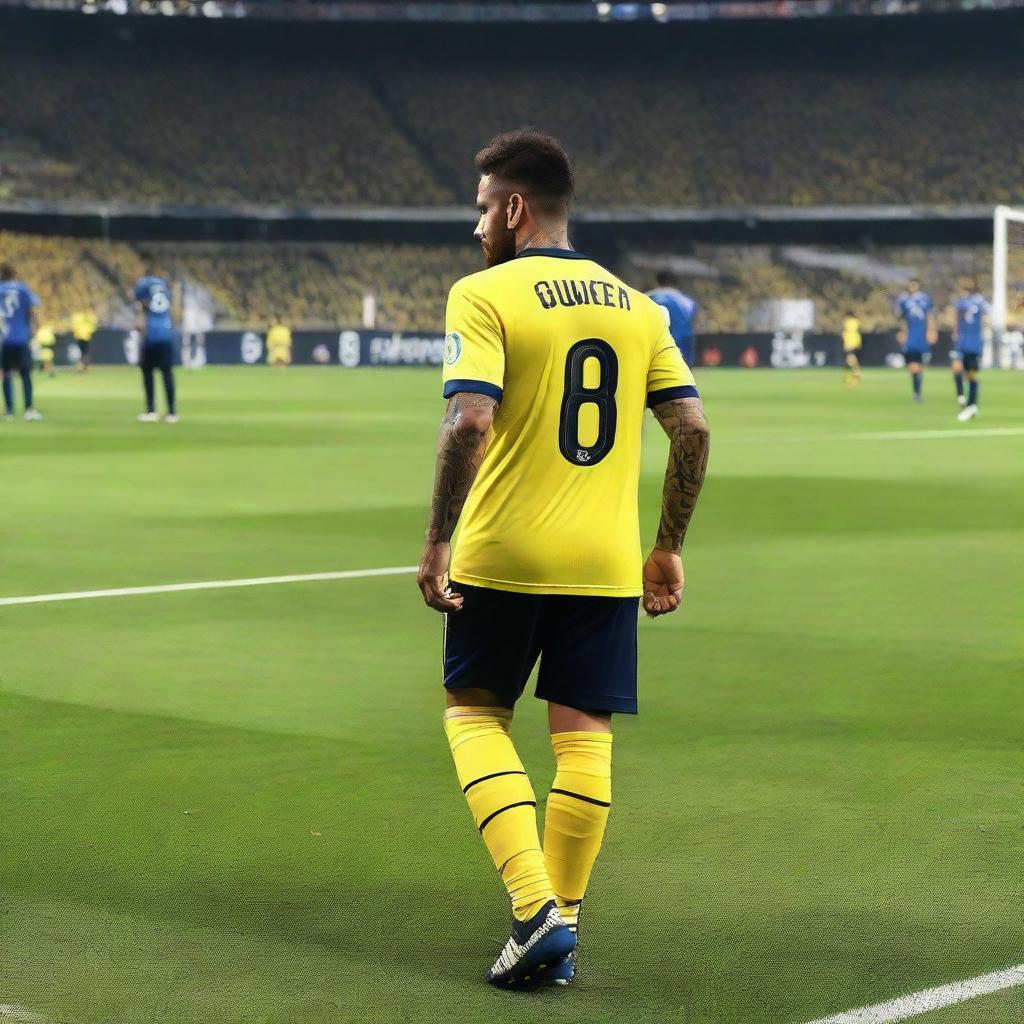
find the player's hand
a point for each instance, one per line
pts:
(432, 578)
(933, 337)
(663, 582)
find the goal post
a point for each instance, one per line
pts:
(1007, 277)
(1003, 217)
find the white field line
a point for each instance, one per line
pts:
(170, 588)
(914, 1005)
(263, 581)
(11, 1011)
(928, 435)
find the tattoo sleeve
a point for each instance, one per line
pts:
(689, 442)
(460, 450)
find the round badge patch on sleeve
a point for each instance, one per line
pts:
(452, 347)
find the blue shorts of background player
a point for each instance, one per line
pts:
(157, 355)
(917, 355)
(686, 347)
(971, 361)
(15, 358)
(586, 646)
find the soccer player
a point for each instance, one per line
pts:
(971, 310)
(153, 294)
(279, 344)
(852, 344)
(917, 332)
(83, 327)
(18, 321)
(549, 363)
(681, 310)
(46, 341)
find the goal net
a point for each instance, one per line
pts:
(1008, 288)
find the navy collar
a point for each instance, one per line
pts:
(564, 254)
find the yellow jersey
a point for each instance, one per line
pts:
(83, 326)
(279, 337)
(45, 338)
(851, 334)
(573, 355)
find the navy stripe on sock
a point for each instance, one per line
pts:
(501, 810)
(580, 796)
(484, 778)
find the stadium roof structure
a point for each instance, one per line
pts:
(250, 222)
(506, 11)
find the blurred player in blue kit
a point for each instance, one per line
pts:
(17, 326)
(917, 332)
(971, 309)
(682, 312)
(153, 293)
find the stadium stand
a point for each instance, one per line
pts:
(311, 286)
(388, 129)
(70, 275)
(369, 120)
(730, 281)
(713, 139)
(324, 285)
(202, 132)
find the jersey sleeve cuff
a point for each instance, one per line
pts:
(473, 387)
(671, 394)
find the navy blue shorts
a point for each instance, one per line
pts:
(586, 646)
(914, 355)
(970, 360)
(15, 357)
(157, 355)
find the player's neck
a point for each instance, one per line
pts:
(547, 237)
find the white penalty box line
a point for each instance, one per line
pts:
(172, 588)
(907, 1007)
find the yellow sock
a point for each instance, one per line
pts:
(577, 813)
(502, 801)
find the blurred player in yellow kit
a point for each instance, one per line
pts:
(852, 344)
(279, 344)
(45, 342)
(83, 327)
(550, 361)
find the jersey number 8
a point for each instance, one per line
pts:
(577, 394)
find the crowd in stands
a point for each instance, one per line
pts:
(321, 285)
(324, 285)
(731, 282)
(201, 132)
(392, 130)
(249, 283)
(70, 275)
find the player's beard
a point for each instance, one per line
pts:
(500, 249)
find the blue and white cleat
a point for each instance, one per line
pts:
(534, 945)
(563, 972)
(559, 974)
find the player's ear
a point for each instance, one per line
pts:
(514, 210)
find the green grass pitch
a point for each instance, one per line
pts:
(237, 806)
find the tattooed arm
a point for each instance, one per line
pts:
(689, 442)
(460, 450)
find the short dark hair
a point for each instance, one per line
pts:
(665, 278)
(7, 272)
(532, 160)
